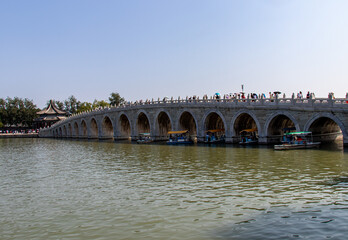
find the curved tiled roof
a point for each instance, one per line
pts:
(51, 109)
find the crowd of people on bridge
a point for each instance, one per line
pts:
(240, 96)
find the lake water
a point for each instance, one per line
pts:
(65, 189)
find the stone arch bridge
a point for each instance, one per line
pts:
(326, 118)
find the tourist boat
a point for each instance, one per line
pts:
(179, 137)
(248, 136)
(144, 138)
(215, 136)
(297, 140)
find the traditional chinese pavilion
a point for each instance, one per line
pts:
(49, 116)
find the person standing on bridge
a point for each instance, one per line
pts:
(299, 95)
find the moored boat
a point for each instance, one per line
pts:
(215, 136)
(179, 137)
(297, 140)
(248, 136)
(144, 138)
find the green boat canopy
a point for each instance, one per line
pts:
(298, 133)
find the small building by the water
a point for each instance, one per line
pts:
(49, 116)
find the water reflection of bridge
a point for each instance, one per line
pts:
(324, 117)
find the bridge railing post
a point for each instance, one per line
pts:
(262, 100)
(293, 101)
(330, 100)
(276, 99)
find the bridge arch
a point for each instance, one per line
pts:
(84, 129)
(325, 127)
(276, 123)
(244, 119)
(65, 134)
(69, 130)
(107, 128)
(143, 124)
(60, 132)
(187, 121)
(76, 130)
(213, 119)
(93, 128)
(124, 129)
(163, 124)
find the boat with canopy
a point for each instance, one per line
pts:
(179, 137)
(144, 138)
(215, 136)
(248, 136)
(297, 140)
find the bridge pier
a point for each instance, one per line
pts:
(120, 138)
(263, 140)
(345, 142)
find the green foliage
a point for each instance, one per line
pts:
(100, 104)
(84, 107)
(17, 111)
(115, 99)
(71, 105)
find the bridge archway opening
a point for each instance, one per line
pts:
(84, 129)
(163, 125)
(70, 130)
(65, 134)
(325, 130)
(107, 128)
(76, 129)
(214, 122)
(187, 122)
(94, 129)
(143, 123)
(60, 132)
(276, 126)
(244, 121)
(125, 128)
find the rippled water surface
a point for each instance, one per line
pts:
(62, 189)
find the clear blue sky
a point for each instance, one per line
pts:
(155, 48)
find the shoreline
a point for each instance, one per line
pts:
(19, 135)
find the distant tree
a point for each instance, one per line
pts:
(12, 109)
(97, 104)
(17, 111)
(60, 105)
(30, 112)
(85, 106)
(3, 112)
(71, 105)
(116, 99)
